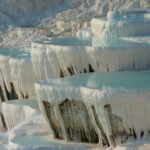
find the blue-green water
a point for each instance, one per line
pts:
(131, 16)
(114, 42)
(2, 147)
(15, 52)
(45, 143)
(115, 80)
(66, 41)
(75, 42)
(32, 102)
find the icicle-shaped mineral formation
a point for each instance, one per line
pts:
(16, 74)
(60, 57)
(17, 80)
(16, 111)
(96, 107)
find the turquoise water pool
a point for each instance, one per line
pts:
(114, 80)
(46, 143)
(93, 42)
(32, 102)
(132, 16)
(15, 52)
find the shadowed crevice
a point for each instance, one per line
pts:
(118, 129)
(54, 123)
(90, 68)
(22, 94)
(104, 137)
(2, 95)
(3, 120)
(13, 91)
(71, 70)
(77, 122)
(12, 94)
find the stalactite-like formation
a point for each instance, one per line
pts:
(17, 80)
(17, 77)
(16, 111)
(82, 109)
(54, 61)
(77, 122)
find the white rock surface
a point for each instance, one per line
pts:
(17, 111)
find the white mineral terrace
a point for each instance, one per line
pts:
(122, 23)
(106, 108)
(59, 57)
(16, 111)
(17, 76)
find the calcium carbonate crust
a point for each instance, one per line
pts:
(121, 113)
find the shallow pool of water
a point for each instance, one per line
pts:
(131, 15)
(115, 80)
(20, 53)
(93, 42)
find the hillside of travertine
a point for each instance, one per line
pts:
(22, 21)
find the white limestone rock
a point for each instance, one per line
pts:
(17, 111)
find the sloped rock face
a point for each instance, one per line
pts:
(25, 10)
(23, 36)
